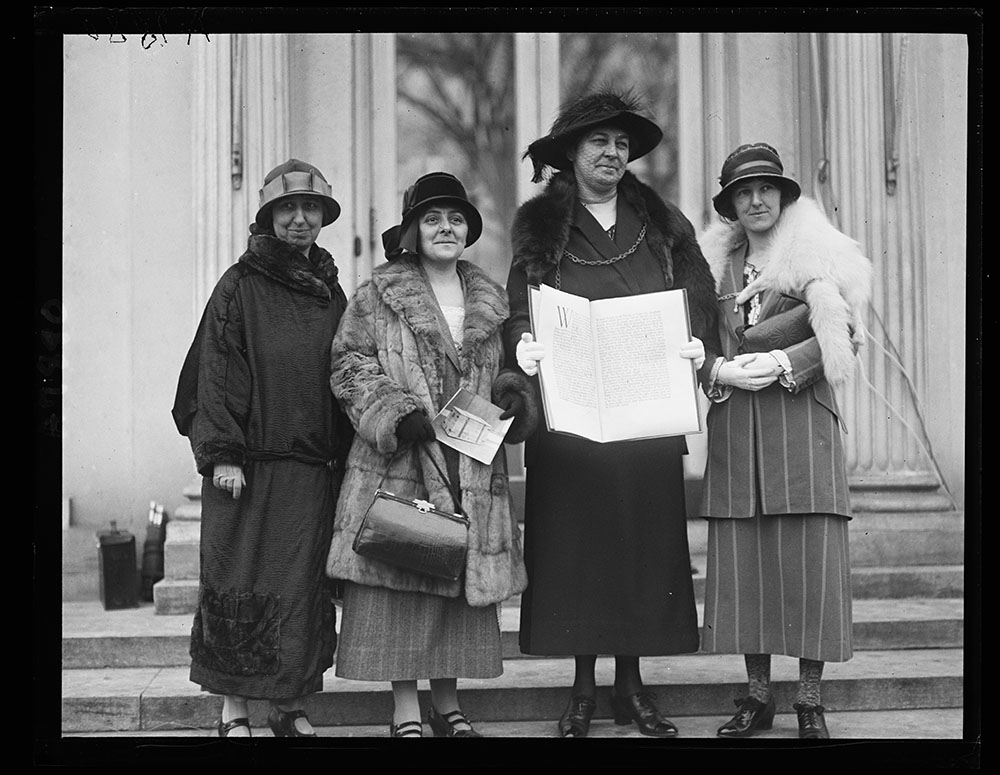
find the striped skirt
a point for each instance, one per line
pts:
(388, 635)
(779, 584)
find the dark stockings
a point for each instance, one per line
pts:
(628, 680)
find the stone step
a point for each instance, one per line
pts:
(881, 538)
(179, 596)
(933, 723)
(138, 637)
(163, 698)
(907, 539)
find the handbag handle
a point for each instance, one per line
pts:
(456, 498)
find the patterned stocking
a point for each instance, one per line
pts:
(810, 675)
(759, 676)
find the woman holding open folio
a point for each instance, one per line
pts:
(427, 323)
(605, 523)
(790, 291)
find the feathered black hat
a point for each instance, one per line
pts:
(621, 109)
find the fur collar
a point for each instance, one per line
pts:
(404, 288)
(285, 264)
(807, 256)
(805, 247)
(542, 224)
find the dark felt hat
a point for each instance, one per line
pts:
(295, 177)
(620, 109)
(434, 187)
(753, 160)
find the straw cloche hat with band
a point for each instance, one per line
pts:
(434, 187)
(576, 116)
(291, 178)
(753, 160)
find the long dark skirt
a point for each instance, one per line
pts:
(265, 627)
(389, 635)
(779, 584)
(609, 570)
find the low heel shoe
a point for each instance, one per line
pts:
(752, 716)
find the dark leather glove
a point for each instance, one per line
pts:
(415, 427)
(512, 405)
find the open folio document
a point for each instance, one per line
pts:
(612, 369)
(471, 425)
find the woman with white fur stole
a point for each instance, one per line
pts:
(791, 289)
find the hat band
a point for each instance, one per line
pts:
(762, 164)
(295, 182)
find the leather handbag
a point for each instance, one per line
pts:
(412, 534)
(778, 331)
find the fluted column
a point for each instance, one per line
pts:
(241, 102)
(878, 203)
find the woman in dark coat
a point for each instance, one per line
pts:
(427, 323)
(605, 524)
(791, 288)
(270, 442)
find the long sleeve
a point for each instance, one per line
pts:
(224, 382)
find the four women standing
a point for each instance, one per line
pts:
(606, 568)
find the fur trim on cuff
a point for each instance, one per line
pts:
(510, 381)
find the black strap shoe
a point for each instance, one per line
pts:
(406, 729)
(575, 721)
(282, 723)
(812, 723)
(229, 726)
(753, 715)
(641, 709)
(449, 724)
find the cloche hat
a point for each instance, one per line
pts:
(295, 177)
(430, 188)
(752, 160)
(587, 111)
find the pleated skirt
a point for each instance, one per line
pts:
(388, 635)
(779, 584)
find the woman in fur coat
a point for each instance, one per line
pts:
(270, 442)
(426, 324)
(605, 524)
(791, 289)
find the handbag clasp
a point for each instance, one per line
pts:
(423, 506)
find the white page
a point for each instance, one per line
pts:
(646, 388)
(568, 376)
